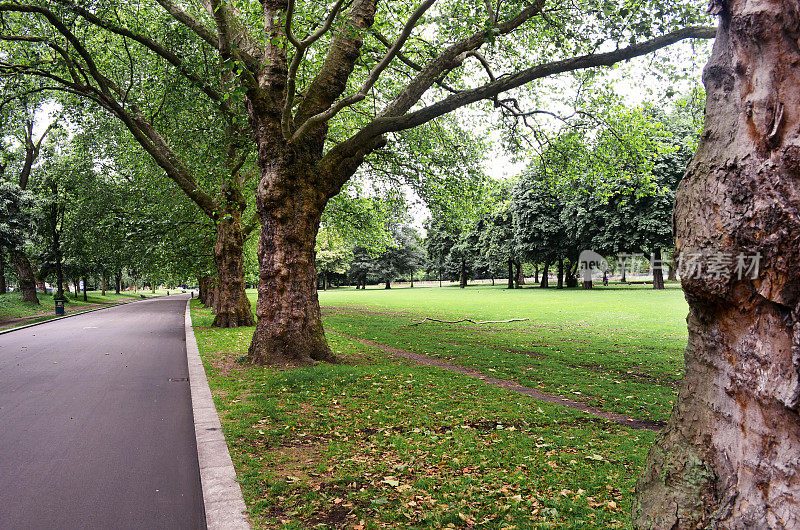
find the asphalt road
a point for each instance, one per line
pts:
(93, 434)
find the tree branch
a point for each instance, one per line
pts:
(340, 61)
(233, 40)
(452, 57)
(153, 46)
(190, 22)
(371, 79)
(384, 124)
(287, 121)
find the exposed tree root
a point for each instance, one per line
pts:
(428, 319)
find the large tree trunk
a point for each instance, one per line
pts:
(510, 274)
(118, 282)
(388, 284)
(658, 271)
(85, 285)
(729, 455)
(289, 328)
(27, 280)
(545, 282)
(231, 304)
(102, 284)
(463, 276)
(520, 274)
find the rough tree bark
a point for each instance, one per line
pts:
(510, 273)
(729, 455)
(388, 284)
(560, 274)
(27, 280)
(463, 276)
(289, 327)
(232, 305)
(118, 282)
(85, 286)
(520, 274)
(658, 271)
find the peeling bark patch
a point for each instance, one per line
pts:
(417, 358)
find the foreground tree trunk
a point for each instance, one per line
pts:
(520, 274)
(232, 305)
(289, 328)
(658, 271)
(388, 284)
(27, 280)
(728, 457)
(510, 274)
(85, 285)
(463, 276)
(118, 282)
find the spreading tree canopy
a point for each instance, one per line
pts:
(324, 87)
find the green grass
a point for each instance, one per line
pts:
(12, 306)
(617, 349)
(377, 442)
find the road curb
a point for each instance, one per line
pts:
(26, 326)
(222, 496)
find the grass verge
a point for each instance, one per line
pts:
(376, 442)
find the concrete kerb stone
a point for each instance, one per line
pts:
(222, 496)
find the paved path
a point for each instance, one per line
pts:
(93, 434)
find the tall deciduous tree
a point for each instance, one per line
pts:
(326, 86)
(728, 456)
(19, 115)
(137, 65)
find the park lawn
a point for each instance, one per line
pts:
(13, 308)
(619, 349)
(378, 440)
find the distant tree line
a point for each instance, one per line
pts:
(606, 183)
